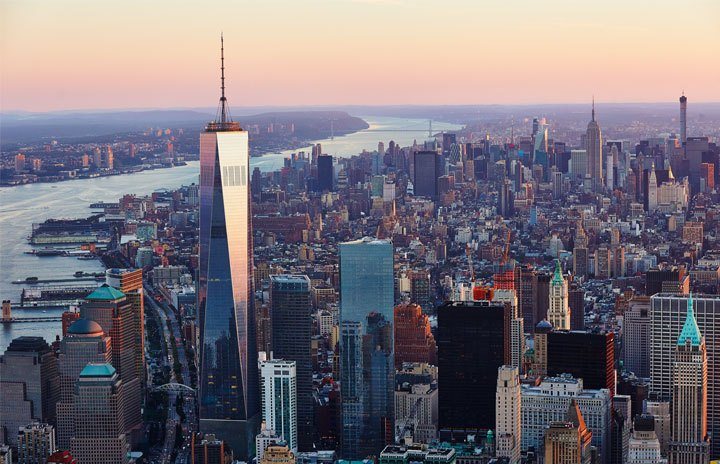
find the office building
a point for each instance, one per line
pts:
(98, 413)
(594, 145)
(428, 166)
(116, 315)
(636, 337)
(367, 367)
(558, 310)
(690, 441)
(644, 446)
(576, 303)
(668, 313)
(278, 389)
(660, 411)
(416, 412)
(84, 343)
(29, 383)
(418, 454)
(471, 348)
(414, 341)
(549, 401)
(325, 173)
(586, 355)
(507, 414)
(208, 449)
(291, 341)
(278, 454)
(568, 441)
(35, 442)
(130, 282)
(228, 377)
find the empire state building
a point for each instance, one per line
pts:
(593, 141)
(228, 396)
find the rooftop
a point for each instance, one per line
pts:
(98, 370)
(105, 293)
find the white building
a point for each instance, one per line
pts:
(278, 390)
(644, 446)
(517, 335)
(549, 402)
(416, 412)
(558, 309)
(507, 413)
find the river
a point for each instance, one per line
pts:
(24, 205)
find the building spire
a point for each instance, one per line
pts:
(690, 331)
(223, 101)
(593, 107)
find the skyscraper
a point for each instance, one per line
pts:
(471, 348)
(594, 152)
(130, 282)
(558, 309)
(427, 170)
(690, 441)
(84, 343)
(325, 173)
(668, 313)
(683, 119)
(636, 337)
(278, 388)
(507, 414)
(29, 385)
(36, 442)
(414, 342)
(291, 341)
(366, 345)
(98, 413)
(586, 355)
(229, 399)
(568, 442)
(644, 446)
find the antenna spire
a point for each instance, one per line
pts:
(223, 100)
(593, 107)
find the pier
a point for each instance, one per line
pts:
(31, 319)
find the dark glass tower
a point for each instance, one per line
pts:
(325, 173)
(229, 398)
(291, 341)
(586, 355)
(471, 348)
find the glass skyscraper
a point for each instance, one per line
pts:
(229, 398)
(366, 346)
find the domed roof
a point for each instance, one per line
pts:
(85, 327)
(543, 326)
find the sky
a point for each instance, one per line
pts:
(89, 54)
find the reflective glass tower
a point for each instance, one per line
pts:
(229, 398)
(367, 367)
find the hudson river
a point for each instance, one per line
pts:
(24, 205)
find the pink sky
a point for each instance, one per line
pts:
(81, 54)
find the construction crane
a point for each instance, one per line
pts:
(410, 422)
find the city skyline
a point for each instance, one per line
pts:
(145, 57)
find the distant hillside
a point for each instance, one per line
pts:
(18, 128)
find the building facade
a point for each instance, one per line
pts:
(278, 389)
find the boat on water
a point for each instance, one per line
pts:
(46, 252)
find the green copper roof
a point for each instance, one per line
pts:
(105, 293)
(557, 277)
(690, 330)
(97, 370)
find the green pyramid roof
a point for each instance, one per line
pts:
(105, 293)
(690, 330)
(97, 370)
(557, 277)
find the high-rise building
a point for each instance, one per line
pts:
(568, 441)
(683, 119)
(548, 402)
(507, 414)
(278, 388)
(427, 170)
(84, 343)
(208, 449)
(416, 411)
(228, 377)
(36, 442)
(130, 282)
(667, 315)
(367, 367)
(540, 355)
(594, 152)
(690, 441)
(29, 385)
(586, 355)
(558, 309)
(644, 446)
(660, 411)
(414, 341)
(471, 348)
(116, 315)
(291, 341)
(636, 337)
(576, 303)
(98, 413)
(325, 173)
(278, 454)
